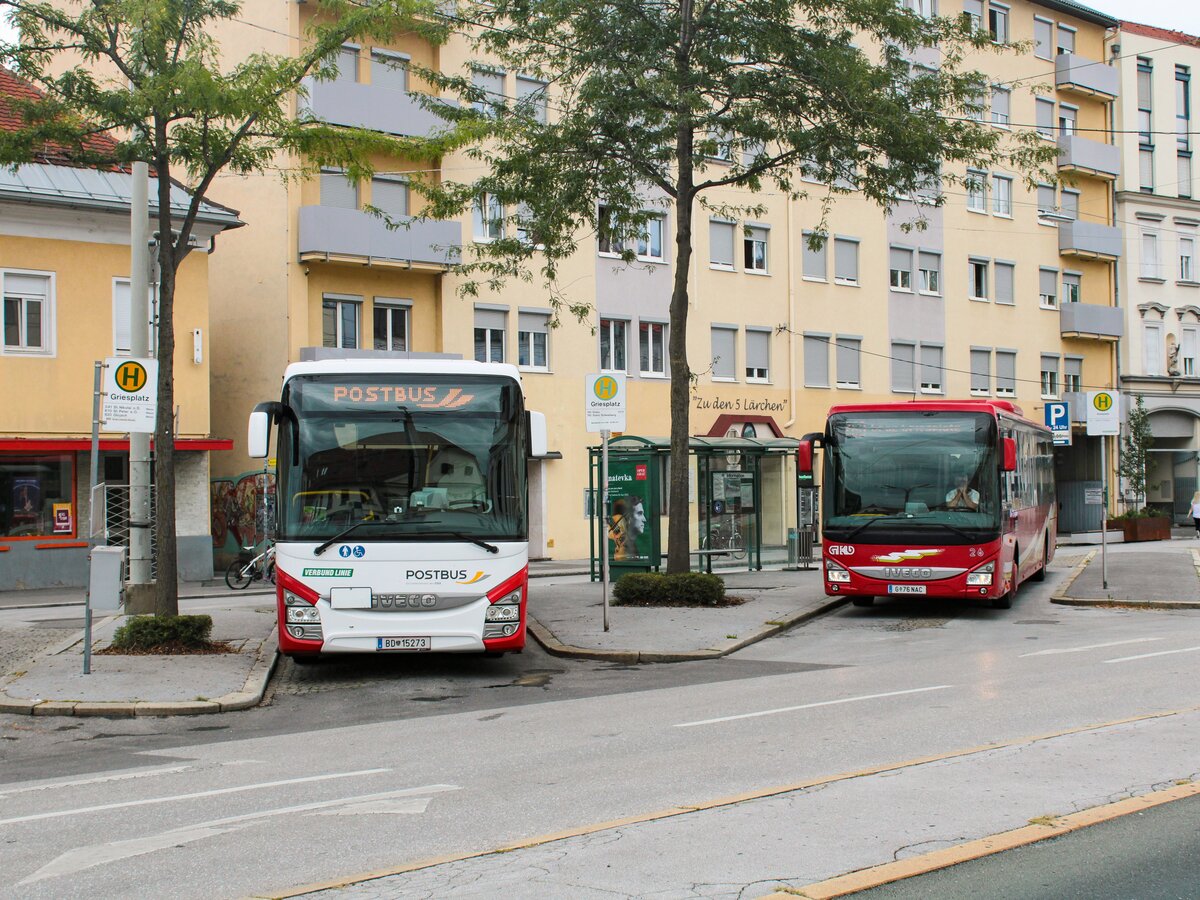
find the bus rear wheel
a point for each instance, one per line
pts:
(1040, 574)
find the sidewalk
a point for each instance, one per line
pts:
(1148, 575)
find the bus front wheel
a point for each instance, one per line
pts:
(304, 659)
(1006, 601)
(864, 601)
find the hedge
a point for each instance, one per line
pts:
(692, 588)
(148, 632)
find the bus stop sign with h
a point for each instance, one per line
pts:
(604, 411)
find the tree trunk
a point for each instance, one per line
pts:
(166, 597)
(678, 531)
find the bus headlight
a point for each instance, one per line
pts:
(982, 575)
(303, 614)
(835, 572)
(506, 613)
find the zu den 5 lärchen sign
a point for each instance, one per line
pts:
(130, 394)
(604, 402)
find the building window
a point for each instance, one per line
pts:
(533, 340)
(1043, 38)
(1066, 39)
(1150, 268)
(1187, 351)
(930, 273)
(1187, 258)
(849, 362)
(845, 260)
(606, 232)
(1152, 348)
(531, 96)
(346, 61)
(1044, 117)
(758, 355)
(1002, 187)
(1005, 292)
(976, 190)
(491, 83)
(1183, 106)
(754, 249)
(339, 321)
(391, 326)
(816, 360)
(998, 23)
(977, 279)
(612, 345)
(901, 269)
(337, 190)
(652, 348)
(650, 241)
(491, 326)
(37, 491)
(720, 244)
(814, 260)
(724, 353)
(1048, 288)
(389, 194)
(1067, 116)
(1146, 169)
(28, 313)
(973, 11)
(389, 69)
(903, 368)
(1145, 94)
(1183, 165)
(1006, 373)
(981, 371)
(931, 369)
(1000, 106)
(1049, 377)
(1073, 374)
(1047, 203)
(1069, 207)
(1071, 287)
(488, 219)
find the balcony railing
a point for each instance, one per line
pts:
(1089, 239)
(1090, 320)
(350, 233)
(1080, 154)
(370, 106)
(1086, 76)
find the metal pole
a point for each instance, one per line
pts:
(139, 347)
(604, 518)
(1104, 512)
(94, 480)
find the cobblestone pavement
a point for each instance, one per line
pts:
(19, 645)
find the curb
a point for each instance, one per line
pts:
(1062, 599)
(552, 645)
(250, 695)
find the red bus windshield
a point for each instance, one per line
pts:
(908, 475)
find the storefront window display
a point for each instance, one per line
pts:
(37, 496)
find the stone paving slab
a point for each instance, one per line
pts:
(1167, 578)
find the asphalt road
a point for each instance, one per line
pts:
(865, 736)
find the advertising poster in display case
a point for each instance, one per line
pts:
(629, 538)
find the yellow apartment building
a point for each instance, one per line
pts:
(64, 273)
(1008, 293)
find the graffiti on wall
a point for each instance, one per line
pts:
(243, 510)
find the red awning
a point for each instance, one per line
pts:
(81, 445)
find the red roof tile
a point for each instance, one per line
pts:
(1163, 34)
(12, 86)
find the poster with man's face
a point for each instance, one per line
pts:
(628, 525)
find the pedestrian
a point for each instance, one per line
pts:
(1196, 511)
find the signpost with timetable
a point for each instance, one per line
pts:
(604, 411)
(1103, 421)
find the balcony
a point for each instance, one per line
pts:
(1089, 320)
(368, 106)
(1086, 76)
(1088, 157)
(1089, 240)
(350, 235)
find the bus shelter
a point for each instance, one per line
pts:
(742, 502)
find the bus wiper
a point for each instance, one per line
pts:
(490, 548)
(868, 524)
(909, 519)
(345, 531)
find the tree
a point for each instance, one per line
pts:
(1136, 444)
(149, 74)
(671, 99)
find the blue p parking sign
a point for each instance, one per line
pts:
(1058, 420)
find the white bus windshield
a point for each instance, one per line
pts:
(418, 457)
(894, 476)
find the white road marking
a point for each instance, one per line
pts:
(404, 805)
(1090, 647)
(771, 712)
(86, 857)
(122, 775)
(149, 801)
(1148, 655)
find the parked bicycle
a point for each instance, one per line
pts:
(247, 568)
(725, 537)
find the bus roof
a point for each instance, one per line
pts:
(401, 367)
(991, 407)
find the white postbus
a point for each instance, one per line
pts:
(401, 507)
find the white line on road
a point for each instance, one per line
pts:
(124, 775)
(1090, 647)
(86, 857)
(149, 801)
(771, 712)
(1148, 655)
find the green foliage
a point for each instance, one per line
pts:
(681, 588)
(148, 632)
(1137, 442)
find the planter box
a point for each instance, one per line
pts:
(1149, 528)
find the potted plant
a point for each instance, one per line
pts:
(1139, 523)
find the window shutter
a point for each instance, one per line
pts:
(848, 360)
(490, 318)
(845, 255)
(814, 260)
(389, 70)
(390, 195)
(1048, 282)
(721, 240)
(1006, 371)
(816, 361)
(724, 350)
(981, 375)
(758, 350)
(1004, 283)
(337, 190)
(903, 364)
(931, 366)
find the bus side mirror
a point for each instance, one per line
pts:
(804, 458)
(538, 441)
(258, 435)
(1008, 447)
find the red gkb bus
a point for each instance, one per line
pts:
(937, 499)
